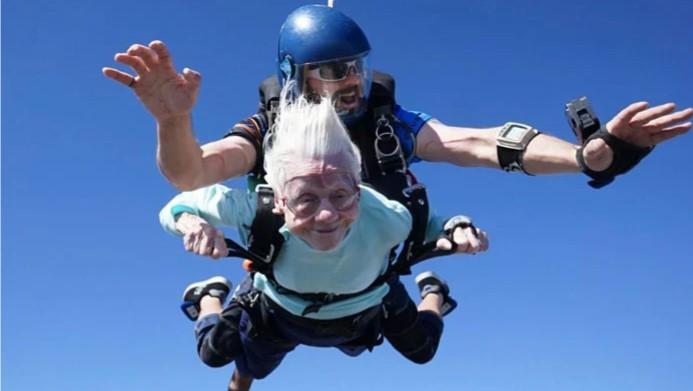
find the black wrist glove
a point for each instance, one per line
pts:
(626, 156)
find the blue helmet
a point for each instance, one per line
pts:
(318, 36)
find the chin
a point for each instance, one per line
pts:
(325, 247)
(327, 242)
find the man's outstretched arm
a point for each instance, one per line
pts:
(190, 167)
(637, 124)
(170, 97)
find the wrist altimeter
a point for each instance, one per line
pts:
(582, 119)
(511, 142)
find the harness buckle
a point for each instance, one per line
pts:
(264, 189)
(253, 296)
(386, 137)
(388, 149)
(409, 190)
(249, 299)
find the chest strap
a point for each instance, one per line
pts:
(265, 241)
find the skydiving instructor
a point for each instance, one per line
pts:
(335, 62)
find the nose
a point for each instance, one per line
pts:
(326, 212)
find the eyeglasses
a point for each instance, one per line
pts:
(306, 205)
(335, 70)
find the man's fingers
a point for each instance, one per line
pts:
(648, 115)
(661, 122)
(133, 62)
(191, 76)
(627, 114)
(117, 75)
(149, 56)
(162, 53)
(671, 132)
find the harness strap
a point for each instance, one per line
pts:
(396, 182)
(320, 299)
(237, 250)
(269, 98)
(416, 201)
(264, 239)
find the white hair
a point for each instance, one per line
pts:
(307, 130)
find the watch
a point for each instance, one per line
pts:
(511, 142)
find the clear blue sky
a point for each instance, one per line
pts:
(581, 290)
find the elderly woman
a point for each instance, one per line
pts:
(338, 236)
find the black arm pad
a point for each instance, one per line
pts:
(626, 156)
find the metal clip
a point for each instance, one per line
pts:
(407, 191)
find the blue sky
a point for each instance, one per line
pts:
(581, 290)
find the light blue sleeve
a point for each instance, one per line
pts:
(394, 219)
(218, 204)
(390, 219)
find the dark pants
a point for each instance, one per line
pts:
(257, 334)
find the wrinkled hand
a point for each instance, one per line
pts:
(206, 241)
(200, 237)
(163, 91)
(640, 125)
(465, 239)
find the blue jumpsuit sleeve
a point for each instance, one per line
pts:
(411, 123)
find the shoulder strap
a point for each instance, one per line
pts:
(264, 239)
(382, 89)
(386, 169)
(269, 98)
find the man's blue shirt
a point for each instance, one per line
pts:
(413, 122)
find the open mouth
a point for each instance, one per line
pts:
(348, 98)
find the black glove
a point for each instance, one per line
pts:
(626, 156)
